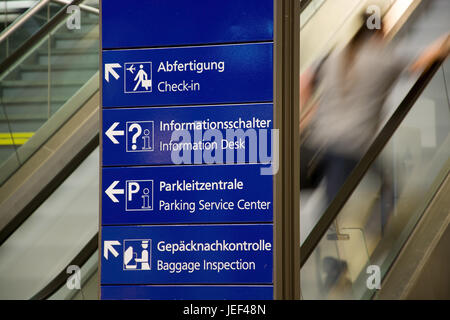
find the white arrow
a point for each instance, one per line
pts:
(109, 69)
(110, 192)
(108, 247)
(110, 133)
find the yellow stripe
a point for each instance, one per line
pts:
(16, 138)
(7, 135)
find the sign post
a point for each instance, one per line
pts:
(188, 149)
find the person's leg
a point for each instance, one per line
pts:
(311, 167)
(387, 198)
(338, 169)
(387, 203)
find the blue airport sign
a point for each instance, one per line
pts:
(186, 194)
(187, 135)
(238, 73)
(137, 23)
(189, 254)
(190, 292)
(187, 130)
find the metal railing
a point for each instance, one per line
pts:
(82, 6)
(22, 19)
(85, 253)
(36, 8)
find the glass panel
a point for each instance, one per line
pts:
(44, 81)
(411, 40)
(48, 240)
(309, 11)
(382, 212)
(89, 290)
(12, 11)
(73, 58)
(92, 3)
(89, 283)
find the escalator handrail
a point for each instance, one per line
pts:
(81, 6)
(304, 4)
(61, 279)
(27, 15)
(22, 19)
(43, 32)
(365, 163)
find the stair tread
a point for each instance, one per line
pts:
(71, 51)
(25, 117)
(37, 83)
(63, 66)
(33, 99)
(77, 36)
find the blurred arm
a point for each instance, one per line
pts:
(306, 91)
(305, 88)
(437, 50)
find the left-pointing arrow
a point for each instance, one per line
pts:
(109, 69)
(111, 133)
(110, 192)
(108, 247)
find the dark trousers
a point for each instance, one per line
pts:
(337, 168)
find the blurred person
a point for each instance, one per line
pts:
(355, 84)
(344, 120)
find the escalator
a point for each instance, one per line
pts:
(50, 162)
(49, 108)
(356, 249)
(420, 171)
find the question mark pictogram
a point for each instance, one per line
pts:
(136, 135)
